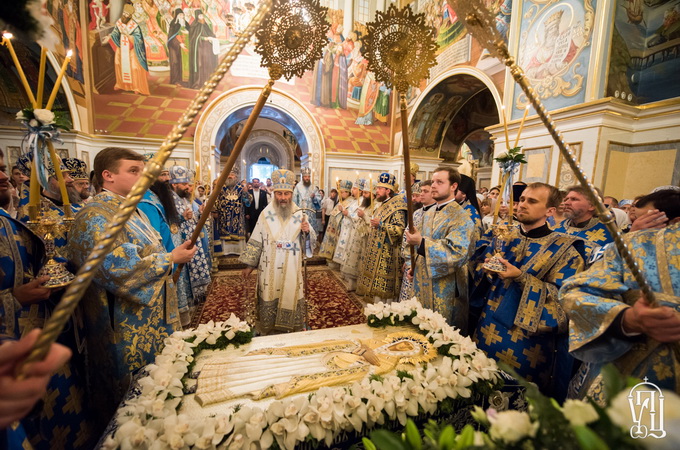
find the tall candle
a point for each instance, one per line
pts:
(6, 40)
(41, 77)
(521, 125)
(57, 84)
(56, 161)
(34, 194)
(505, 127)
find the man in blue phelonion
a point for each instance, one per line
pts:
(275, 248)
(610, 321)
(131, 305)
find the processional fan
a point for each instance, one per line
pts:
(481, 24)
(400, 49)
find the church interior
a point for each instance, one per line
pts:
(124, 73)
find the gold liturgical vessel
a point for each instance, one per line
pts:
(47, 228)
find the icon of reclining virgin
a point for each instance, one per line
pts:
(280, 372)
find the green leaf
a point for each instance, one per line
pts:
(368, 444)
(466, 438)
(413, 435)
(588, 439)
(447, 440)
(613, 381)
(385, 440)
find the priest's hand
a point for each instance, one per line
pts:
(651, 219)
(305, 226)
(188, 214)
(17, 398)
(661, 324)
(345, 212)
(183, 254)
(409, 274)
(33, 291)
(510, 273)
(245, 273)
(375, 223)
(413, 239)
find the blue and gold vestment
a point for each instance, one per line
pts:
(440, 276)
(522, 324)
(131, 305)
(594, 234)
(231, 225)
(61, 419)
(594, 299)
(381, 260)
(197, 271)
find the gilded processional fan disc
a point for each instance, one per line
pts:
(400, 48)
(293, 36)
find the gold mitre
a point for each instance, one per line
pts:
(283, 180)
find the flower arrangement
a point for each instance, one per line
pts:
(44, 119)
(577, 424)
(512, 156)
(151, 419)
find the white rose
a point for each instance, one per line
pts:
(33, 123)
(44, 115)
(511, 427)
(20, 115)
(579, 412)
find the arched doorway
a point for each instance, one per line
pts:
(285, 125)
(448, 121)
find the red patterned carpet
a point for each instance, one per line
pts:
(330, 305)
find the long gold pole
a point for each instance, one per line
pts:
(481, 25)
(84, 277)
(407, 172)
(274, 74)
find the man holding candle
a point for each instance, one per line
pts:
(24, 305)
(131, 305)
(521, 321)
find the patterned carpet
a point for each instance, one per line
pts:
(330, 305)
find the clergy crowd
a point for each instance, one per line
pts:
(529, 272)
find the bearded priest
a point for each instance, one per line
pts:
(275, 247)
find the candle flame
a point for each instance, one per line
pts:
(69, 53)
(7, 35)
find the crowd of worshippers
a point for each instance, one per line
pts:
(563, 304)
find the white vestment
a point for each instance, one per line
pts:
(275, 249)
